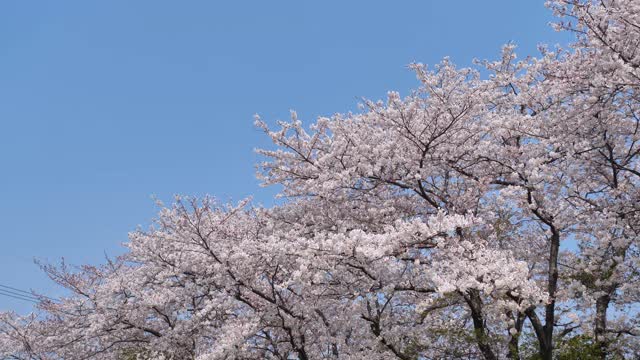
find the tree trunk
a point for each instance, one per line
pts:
(602, 303)
(475, 304)
(514, 346)
(546, 347)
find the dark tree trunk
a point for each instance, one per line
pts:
(552, 287)
(602, 303)
(474, 301)
(514, 346)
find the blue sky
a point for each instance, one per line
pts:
(104, 104)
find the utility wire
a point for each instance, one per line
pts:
(15, 293)
(17, 297)
(18, 294)
(29, 293)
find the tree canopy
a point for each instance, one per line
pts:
(482, 217)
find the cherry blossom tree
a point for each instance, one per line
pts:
(478, 217)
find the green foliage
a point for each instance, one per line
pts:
(579, 347)
(134, 354)
(586, 279)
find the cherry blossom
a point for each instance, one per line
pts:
(488, 217)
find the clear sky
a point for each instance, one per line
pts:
(106, 103)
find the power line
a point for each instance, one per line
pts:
(14, 289)
(29, 293)
(17, 297)
(16, 293)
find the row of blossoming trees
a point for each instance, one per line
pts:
(477, 218)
